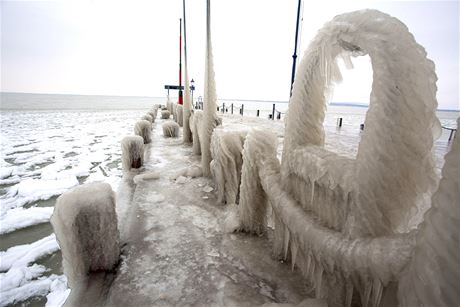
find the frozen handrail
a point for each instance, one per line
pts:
(394, 163)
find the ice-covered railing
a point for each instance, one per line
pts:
(342, 270)
(346, 222)
(394, 171)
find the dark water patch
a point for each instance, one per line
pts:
(25, 235)
(43, 203)
(70, 154)
(22, 151)
(36, 301)
(52, 262)
(82, 179)
(39, 165)
(114, 164)
(11, 161)
(24, 144)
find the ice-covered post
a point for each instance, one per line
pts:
(242, 109)
(143, 128)
(85, 223)
(232, 108)
(339, 122)
(258, 113)
(132, 152)
(210, 99)
(223, 107)
(273, 112)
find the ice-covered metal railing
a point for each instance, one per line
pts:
(394, 171)
(334, 264)
(433, 276)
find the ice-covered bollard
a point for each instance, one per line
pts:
(132, 152)
(180, 115)
(148, 118)
(170, 129)
(143, 128)
(165, 114)
(153, 114)
(85, 223)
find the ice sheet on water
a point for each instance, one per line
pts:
(27, 289)
(22, 255)
(58, 292)
(18, 218)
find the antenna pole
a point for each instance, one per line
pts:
(181, 98)
(294, 57)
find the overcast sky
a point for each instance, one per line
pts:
(112, 47)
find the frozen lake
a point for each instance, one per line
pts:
(52, 143)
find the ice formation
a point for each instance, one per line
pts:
(143, 128)
(174, 111)
(20, 218)
(186, 131)
(394, 166)
(433, 276)
(180, 115)
(170, 129)
(195, 119)
(346, 222)
(153, 114)
(132, 152)
(85, 223)
(341, 270)
(227, 160)
(209, 101)
(148, 118)
(165, 114)
(26, 285)
(22, 255)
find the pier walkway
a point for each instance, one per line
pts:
(178, 250)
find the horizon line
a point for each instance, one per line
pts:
(335, 103)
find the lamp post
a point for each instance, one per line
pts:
(192, 88)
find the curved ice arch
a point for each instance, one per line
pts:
(394, 168)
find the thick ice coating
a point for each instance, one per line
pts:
(433, 276)
(346, 222)
(209, 100)
(165, 114)
(180, 115)
(143, 128)
(170, 129)
(227, 160)
(132, 152)
(394, 167)
(85, 223)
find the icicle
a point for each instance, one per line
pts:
(312, 191)
(318, 280)
(377, 290)
(349, 293)
(294, 250)
(367, 293)
(286, 242)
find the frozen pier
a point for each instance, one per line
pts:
(177, 249)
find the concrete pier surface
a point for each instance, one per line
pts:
(179, 249)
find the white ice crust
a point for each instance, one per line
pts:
(85, 223)
(143, 128)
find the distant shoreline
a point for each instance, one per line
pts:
(335, 103)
